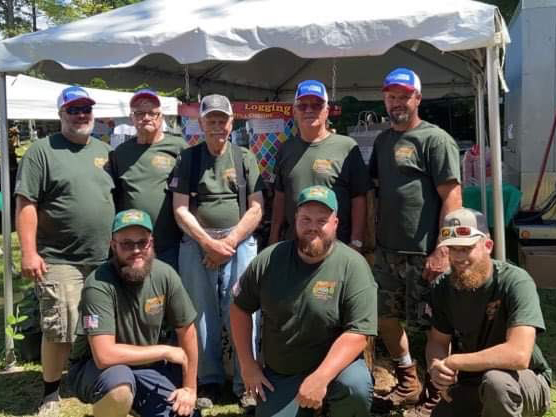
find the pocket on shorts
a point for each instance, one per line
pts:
(51, 314)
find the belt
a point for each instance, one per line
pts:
(219, 233)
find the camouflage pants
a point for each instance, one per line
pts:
(402, 292)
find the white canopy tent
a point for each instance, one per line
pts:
(266, 46)
(33, 98)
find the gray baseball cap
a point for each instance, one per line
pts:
(463, 227)
(215, 102)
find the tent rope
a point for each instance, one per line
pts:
(334, 76)
(186, 79)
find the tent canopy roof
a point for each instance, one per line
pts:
(32, 98)
(282, 39)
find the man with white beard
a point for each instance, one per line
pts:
(64, 211)
(318, 299)
(481, 350)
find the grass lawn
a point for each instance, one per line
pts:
(21, 390)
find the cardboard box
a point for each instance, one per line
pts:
(540, 262)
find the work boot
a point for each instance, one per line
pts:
(405, 392)
(428, 400)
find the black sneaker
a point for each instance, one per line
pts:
(207, 395)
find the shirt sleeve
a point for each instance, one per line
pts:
(359, 299)
(444, 160)
(246, 291)
(30, 176)
(97, 312)
(254, 179)
(179, 182)
(438, 299)
(524, 307)
(180, 311)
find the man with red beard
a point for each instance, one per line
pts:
(318, 300)
(116, 363)
(486, 313)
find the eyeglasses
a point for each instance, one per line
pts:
(74, 110)
(130, 245)
(460, 231)
(141, 114)
(303, 107)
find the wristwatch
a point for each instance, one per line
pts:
(356, 243)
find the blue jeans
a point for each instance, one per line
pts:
(151, 385)
(211, 293)
(348, 395)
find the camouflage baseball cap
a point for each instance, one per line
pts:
(320, 194)
(463, 227)
(132, 217)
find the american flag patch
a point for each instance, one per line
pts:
(174, 182)
(90, 322)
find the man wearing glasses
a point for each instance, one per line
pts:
(210, 181)
(141, 167)
(319, 157)
(486, 314)
(415, 166)
(64, 209)
(116, 363)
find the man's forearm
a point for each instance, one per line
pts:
(26, 225)
(188, 224)
(343, 352)
(187, 339)
(109, 355)
(248, 223)
(358, 217)
(502, 356)
(241, 324)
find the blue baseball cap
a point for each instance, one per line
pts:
(146, 94)
(74, 94)
(311, 88)
(402, 77)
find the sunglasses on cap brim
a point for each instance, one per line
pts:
(459, 231)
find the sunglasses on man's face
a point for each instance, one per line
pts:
(130, 245)
(303, 107)
(73, 110)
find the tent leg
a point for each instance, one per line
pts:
(6, 219)
(493, 64)
(480, 116)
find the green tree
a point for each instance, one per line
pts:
(63, 12)
(507, 7)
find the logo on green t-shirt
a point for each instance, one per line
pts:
(324, 290)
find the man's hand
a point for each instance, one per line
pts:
(217, 251)
(33, 266)
(183, 400)
(175, 355)
(436, 263)
(442, 376)
(254, 380)
(311, 392)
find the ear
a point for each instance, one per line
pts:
(113, 245)
(489, 245)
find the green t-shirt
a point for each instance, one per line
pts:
(133, 313)
(217, 191)
(410, 166)
(335, 162)
(479, 319)
(141, 175)
(73, 193)
(305, 308)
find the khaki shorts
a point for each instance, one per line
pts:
(402, 292)
(59, 293)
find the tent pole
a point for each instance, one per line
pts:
(6, 218)
(480, 116)
(493, 65)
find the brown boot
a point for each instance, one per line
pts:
(405, 392)
(428, 400)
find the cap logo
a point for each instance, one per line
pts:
(446, 232)
(318, 192)
(402, 77)
(132, 216)
(314, 88)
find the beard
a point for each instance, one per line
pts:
(472, 277)
(315, 247)
(398, 118)
(134, 275)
